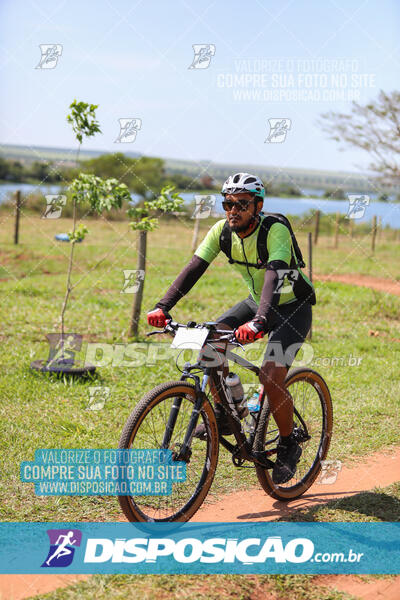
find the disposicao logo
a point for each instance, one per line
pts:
(190, 550)
(62, 547)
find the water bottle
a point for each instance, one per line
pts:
(236, 389)
(253, 404)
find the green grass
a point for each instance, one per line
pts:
(182, 587)
(38, 411)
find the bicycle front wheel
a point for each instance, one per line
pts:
(146, 429)
(313, 419)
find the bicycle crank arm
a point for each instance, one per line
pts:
(261, 458)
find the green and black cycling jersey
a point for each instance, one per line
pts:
(292, 286)
(275, 285)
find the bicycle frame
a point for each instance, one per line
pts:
(167, 416)
(214, 377)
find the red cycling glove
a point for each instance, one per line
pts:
(158, 317)
(250, 331)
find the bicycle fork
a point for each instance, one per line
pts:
(185, 450)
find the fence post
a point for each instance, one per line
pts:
(309, 237)
(195, 232)
(17, 215)
(337, 230)
(379, 228)
(137, 301)
(316, 230)
(373, 234)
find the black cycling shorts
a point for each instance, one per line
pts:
(288, 326)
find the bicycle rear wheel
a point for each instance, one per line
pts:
(313, 416)
(145, 429)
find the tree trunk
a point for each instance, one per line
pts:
(137, 302)
(70, 262)
(68, 284)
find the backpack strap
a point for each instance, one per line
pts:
(225, 244)
(225, 241)
(262, 238)
(269, 219)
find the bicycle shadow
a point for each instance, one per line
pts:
(378, 505)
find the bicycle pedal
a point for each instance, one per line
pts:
(262, 457)
(200, 432)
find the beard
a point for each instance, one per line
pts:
(238, 228)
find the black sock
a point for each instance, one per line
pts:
(286, 440)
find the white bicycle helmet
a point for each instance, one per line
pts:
(244, 182)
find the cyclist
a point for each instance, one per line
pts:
(282, 311)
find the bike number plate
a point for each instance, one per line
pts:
(190, 338)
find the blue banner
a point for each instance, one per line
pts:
(202, 548)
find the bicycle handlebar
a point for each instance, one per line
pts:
(172, 327)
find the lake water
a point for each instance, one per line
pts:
(388, 211)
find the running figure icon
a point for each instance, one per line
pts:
(62, 549)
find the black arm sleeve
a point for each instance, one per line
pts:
(268, 296)
(184, 282)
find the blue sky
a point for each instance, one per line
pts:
(132, 59)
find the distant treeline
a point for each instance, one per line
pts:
(132, 171)
(15, 171)
(127, 170)
(142, 175)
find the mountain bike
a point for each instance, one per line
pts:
(167, 416)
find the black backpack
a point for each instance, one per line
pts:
(225, 242)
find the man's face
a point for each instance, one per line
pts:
(240, 220)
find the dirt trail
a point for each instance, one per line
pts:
(16, 587)
(381, 284)
(380, 468)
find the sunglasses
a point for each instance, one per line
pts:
(241, 205)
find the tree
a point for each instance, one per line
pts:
(111, 165)
(45, 171)
(283, 189)
(147, 176)
(3, 168)
(374, 128)
(144, 220)
(335, 194)
(16, 171)
(144, 176)
(84, 123)
(102, 195)
(182, 182)
(99, 193)
(39, 170)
